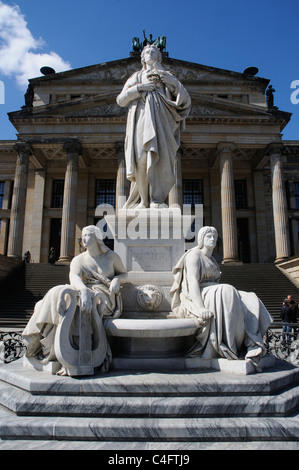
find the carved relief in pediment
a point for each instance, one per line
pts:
(110, 109)
(121, 72)
(197, 110)
(116, 72)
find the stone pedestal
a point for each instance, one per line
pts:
(149, 240)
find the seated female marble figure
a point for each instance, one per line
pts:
(95, 279)
(231, 322)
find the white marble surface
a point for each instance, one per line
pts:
(198, 410)
(231, 320)
(76, 311)
(174, 447)
(158, 105)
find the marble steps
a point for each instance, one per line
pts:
(269, 283)
(25, 392)
(150, 407)
(215, 429)
(23, 404)
(148, 448)
(28, 285)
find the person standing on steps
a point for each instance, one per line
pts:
(52, 256)
(287, 315)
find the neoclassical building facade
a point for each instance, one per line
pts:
(69, 158)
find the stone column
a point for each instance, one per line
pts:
(175, 198)
(37, 214)
(122, 183)
(67, 247)
(5, 220)
(228, 207)
(280, 210)
(260, 215)
(17, 214)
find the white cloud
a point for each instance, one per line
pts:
(17, 48)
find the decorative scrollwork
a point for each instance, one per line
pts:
(287, 350)
(12, 346)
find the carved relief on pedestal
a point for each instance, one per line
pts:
(149, 296)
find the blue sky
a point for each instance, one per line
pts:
(232, 35)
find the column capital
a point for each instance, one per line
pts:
(119, 147)
(275, 148)
(225, 147)
(23, 148)
(72, 147)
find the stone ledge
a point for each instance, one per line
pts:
(151, 328)
(237, 367)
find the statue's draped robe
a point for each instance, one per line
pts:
(39, 333)
(153, 129)
(240, 318)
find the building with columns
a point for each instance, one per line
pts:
(69, 157)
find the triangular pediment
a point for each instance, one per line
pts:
(104, 105)
(91, 91)
(121, 70)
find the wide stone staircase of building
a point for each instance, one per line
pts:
(269, 283)
(26, 286)
(31, 282)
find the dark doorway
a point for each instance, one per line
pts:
(243, 240)
(55, 236)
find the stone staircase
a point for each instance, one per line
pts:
(266, 280)
(31, 282)
(28, 285)
(149, 410)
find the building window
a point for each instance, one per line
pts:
(105, 192)
(1, 193)
(57, 193)
(241, 194)
(193, 192)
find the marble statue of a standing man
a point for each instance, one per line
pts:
(158, 105)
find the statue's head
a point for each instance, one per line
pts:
(154, 51)
(98, 236)
(203, 232)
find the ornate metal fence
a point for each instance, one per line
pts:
(12, 346)
(283, 345)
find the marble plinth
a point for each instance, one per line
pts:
(149, 240)
(159, 408)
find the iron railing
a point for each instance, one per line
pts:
(12, 346)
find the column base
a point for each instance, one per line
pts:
(282, 259)
(231, 261)
(16, 257)
(64, 260)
